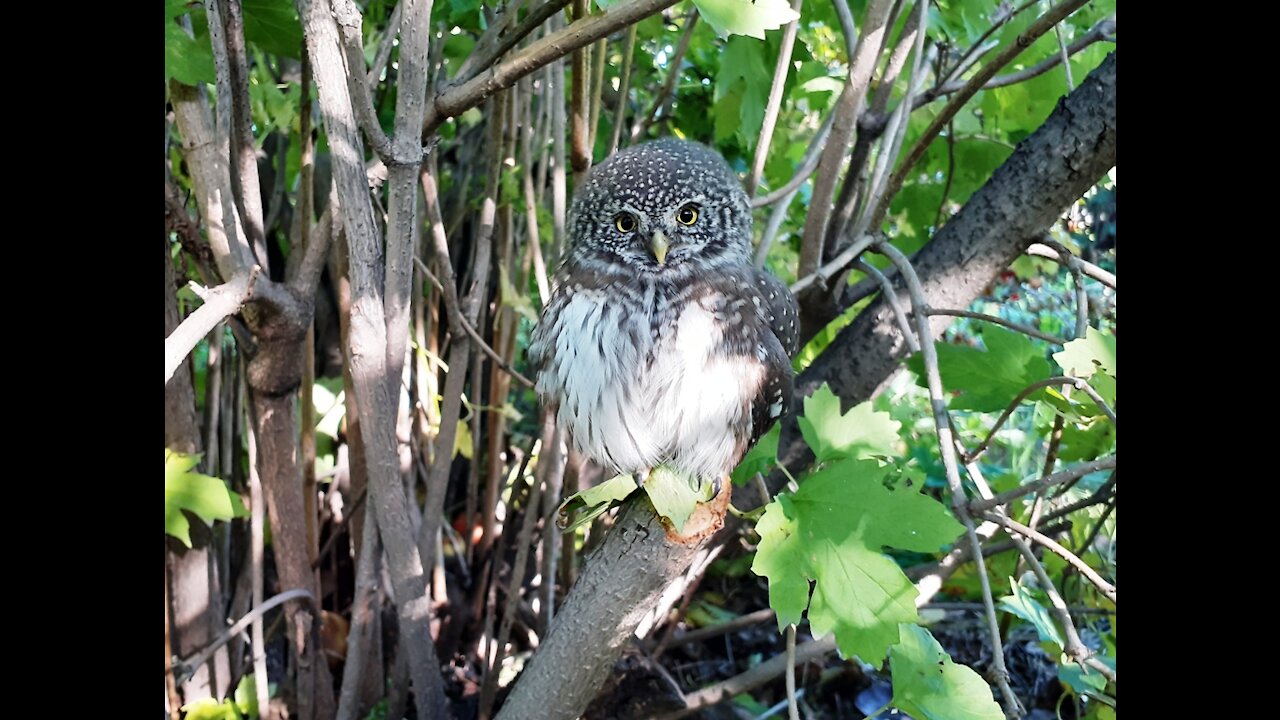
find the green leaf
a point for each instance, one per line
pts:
(1023, 605)
(594, 501)
(1079, 679)
(514, 299)
(210, 709)
(742, 89)
(1084, 356)
(273, 26)
(759, 458)
(186, 59)
(860, 433)
(246, 696)
(929, 686)
(204, 496)
(672, 495)
(988, 381)
(831, 532)
(745, 17)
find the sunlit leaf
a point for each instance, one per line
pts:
(1084, 356)
(206, 497)
(745, 17)
(594, 501)
(860, 433)
(1023, 605)
(929, 686)
(831, 532)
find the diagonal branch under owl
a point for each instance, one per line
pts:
(661, 344)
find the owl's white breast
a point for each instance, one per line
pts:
(687, 406)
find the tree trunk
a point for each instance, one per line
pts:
(622, 581)
(276, 425)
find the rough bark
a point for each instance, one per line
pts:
(1049, 170)
(368, 358)
(622, 581)
(276, 425)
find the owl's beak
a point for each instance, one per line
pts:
(659, 245)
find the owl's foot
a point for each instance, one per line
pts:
(715, 488)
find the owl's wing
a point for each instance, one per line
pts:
(778, 309)
(542, 341)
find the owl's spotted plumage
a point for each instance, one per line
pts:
(661, 343)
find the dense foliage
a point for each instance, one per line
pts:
(865, 542)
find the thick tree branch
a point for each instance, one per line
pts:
(244, 160)
(848, 108)
(621, 582)
(367, 340)
(351, 35)
(219, 303)
(1050, 169)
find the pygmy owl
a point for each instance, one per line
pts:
(661, 343)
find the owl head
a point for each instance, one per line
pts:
(663, 208)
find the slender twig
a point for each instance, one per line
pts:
(890, 144)
(459, 98)
(977, 48)
(475, 336)
(774, 103)
(752, 678)
(579, 104)
(1088, 268)
(837, 265)
(807, 165)
(662, 99)
(950, 462)
(184, 667)
(1041, 25)
(363, 608)
(498, 39)
(1065, 55)
(1072, 559)
(383, 56)
(724, 628)
(523, 542)
(257, 520)
(1057, 478)
(897, 61)
(624, 86)
(996, 320)
(599, 56)
(891, 295)
(793, 711)
(220, 302)
(235, 128)
(1073, 646)
(1026, 392)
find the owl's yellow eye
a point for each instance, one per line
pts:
(688, 214)
(625, 222)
